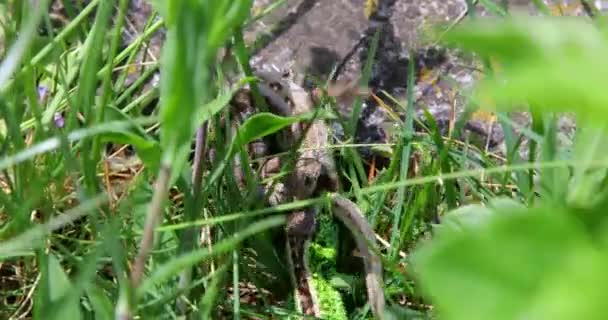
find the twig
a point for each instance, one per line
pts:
(388, 246)
(198, 166)
(106, 176)
(199, 163)
(156, 208)
(18, 314)
(342, 63)
(458, 19)
(199, 153)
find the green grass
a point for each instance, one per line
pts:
(92, 233)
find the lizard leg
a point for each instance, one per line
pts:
(300, 228)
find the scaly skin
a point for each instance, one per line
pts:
(314, 173)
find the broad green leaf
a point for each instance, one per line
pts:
(261, 125)
(342, 282)
(215, 106)
(148, 150)
(465, 215)
(257, 126)
(146, 147)
(92, 60)
(510, 265)
(178, 100)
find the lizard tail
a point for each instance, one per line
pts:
(351, 216)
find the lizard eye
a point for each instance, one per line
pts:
(309, 181)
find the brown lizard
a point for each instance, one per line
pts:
(314, 173)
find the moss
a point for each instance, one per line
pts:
(332, 307)
(327, 233)
(291, 305)
(322, 260)
(322, 263)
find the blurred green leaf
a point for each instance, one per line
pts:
(102, 306)
(196, 30)
(13, 57)
(332, 307)
(517, 39)
(493, 8)
(91, 63)
(516, 263)
(553, 64)
(34, 237)
(466, 216)
(587, 182)
(580, 274)
(2, 129)
(59, 286)
(54, 143)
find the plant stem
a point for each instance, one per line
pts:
(156, 208)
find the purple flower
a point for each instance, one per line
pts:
(59, 120)
(42, 93)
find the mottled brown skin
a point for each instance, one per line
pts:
(286, 99)
(300, 229)
(314, 173)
